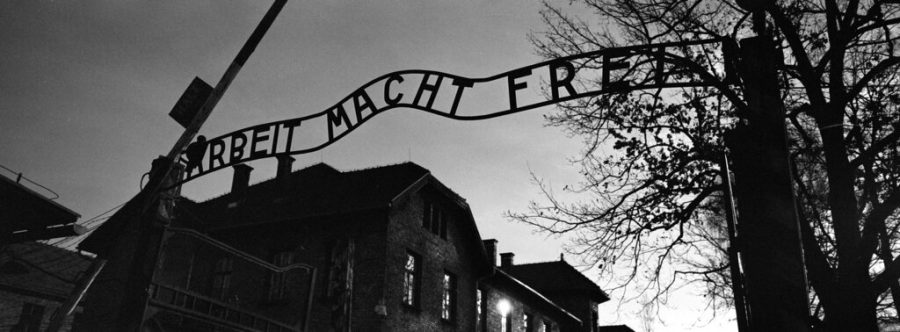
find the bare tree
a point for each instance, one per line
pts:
(649, 199)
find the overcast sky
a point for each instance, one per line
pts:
(85, 88)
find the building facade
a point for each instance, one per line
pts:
(382, 249)
(35, 280)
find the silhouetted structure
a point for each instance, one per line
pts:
(564, 285)
(381, 249)
(26, 215)
(35, 279)
(615, 328)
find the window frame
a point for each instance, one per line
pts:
(527, 319)
(427, 215)
(278, 279)
(435, 219)
(30, 318)
(481, 297)
(221, 280)
(506, 322)
(548, 326)
(449, 296)
(412, 280)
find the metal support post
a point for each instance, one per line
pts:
(771, 247)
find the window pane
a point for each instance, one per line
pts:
(445, 298)
(448, 300)
(478, 300)
(410, 280)
(444, 221)
(436, 220)
(426, 216)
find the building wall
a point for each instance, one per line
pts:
(11, 304)
(518, 308)
(311, 242)
(454, 254)
(580, 306)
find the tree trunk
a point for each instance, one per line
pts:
(853, 308)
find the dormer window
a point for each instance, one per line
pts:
(435, 219)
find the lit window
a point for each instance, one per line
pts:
(526, 320)
(448, 300)
(507, 324)
(480, 309)
(504, 307)
(222, 277)
(548, 326)
(276, 279)
(411, 280)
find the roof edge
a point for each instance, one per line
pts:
(538, 294)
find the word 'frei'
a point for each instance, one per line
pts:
(455, 97)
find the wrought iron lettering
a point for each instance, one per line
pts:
(620, 70)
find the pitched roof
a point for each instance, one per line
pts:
(614, 328)
(556, 277)
(320, 190)
(503, 279)
(37, 269)
(25, 209)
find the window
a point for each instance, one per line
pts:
(426, 216)
(222, 277)
(526, 320)
(506, 325)
(30, 320)
(435, 220)
(481, 310)
(548, 326)
(442, 230)
(411, 273)
(448, 298)
(505, 308)
(276, 279)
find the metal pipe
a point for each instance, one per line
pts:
(60, 315)
(737, 279)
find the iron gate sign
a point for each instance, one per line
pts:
(619, 69)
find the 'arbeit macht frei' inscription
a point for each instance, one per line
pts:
(455, 97)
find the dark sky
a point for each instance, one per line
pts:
(85, 88)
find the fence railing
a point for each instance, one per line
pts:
(212, 311)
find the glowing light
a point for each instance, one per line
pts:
(504, 307)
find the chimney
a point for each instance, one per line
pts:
(285, 164)
(490, 246)
(506, 259)
(241, 178)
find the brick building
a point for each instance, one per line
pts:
(381, 249)
(35, 280)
